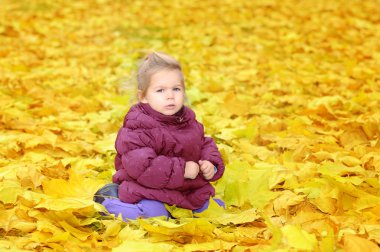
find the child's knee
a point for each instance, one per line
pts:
(152, 208)
(127, 211)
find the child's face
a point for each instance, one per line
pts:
(165, 93)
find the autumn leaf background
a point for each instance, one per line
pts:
(290, 91)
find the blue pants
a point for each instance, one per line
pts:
(145, 208)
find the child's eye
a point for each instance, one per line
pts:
(159, 90)
(177, 89)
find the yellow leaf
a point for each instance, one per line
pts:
(216, 214)
(216, 245)
(353, 243)
(5, 217)
(236, 105)
(30, 177)
(81, 235)
(46, 226)
(191, 228)
(328, 241)
(24, 226)
(9, 190)
(36, 157)
(352, 137)
(127, 233)
(47, 137)
(66, 204)
(285, 200)
(142, 246)
(112, 228)
(350, 161)
(259, 183)
(106, 145)
(77, 186)
(64, 236)
(298, 238)
(9, 172)
(373, 232)
(342, 173)
(178, 212)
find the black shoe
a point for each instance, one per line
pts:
(108, 191)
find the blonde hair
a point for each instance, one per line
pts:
(153, 63)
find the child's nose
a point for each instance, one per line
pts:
(170, 94)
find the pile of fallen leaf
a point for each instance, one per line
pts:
(290, 91)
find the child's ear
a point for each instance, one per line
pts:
(140, 95)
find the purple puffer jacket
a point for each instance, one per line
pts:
(152, 150)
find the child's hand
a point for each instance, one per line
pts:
(191, 170)
(207, 169)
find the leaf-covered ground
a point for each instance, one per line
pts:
(290, 90)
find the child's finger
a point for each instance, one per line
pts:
(207, 175)
(201, 167)
(204, 169)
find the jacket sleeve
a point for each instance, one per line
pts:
(211, 153)
(138, 160)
